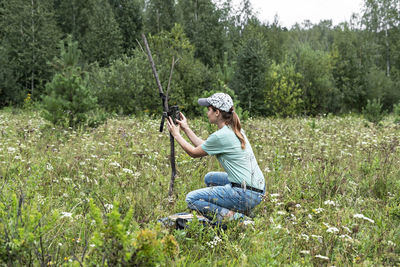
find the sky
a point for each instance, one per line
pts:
(291, 11)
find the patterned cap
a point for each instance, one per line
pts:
(220, 101)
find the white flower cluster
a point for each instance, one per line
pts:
(322, 257)
(330, 203)
(215, 242)
(127, 170)
(115, 164)
(361, 216)
(109, 207)
(66, 214)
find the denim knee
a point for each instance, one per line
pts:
(207, 178)
(190, 198)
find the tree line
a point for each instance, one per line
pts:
(77, 57)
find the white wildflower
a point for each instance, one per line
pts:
(347, 229)
(281, 212)
(17, 157)
(274, 195)
(306, 252)
(361, 216)
(330, 203)
(92, 245)
(332, 230)
(310, 216)
(11, 150)
(322, 257)
(319, 210)
(298, 206)
(127, 170)
(108, 206)
(305, 237)
(391, 243)
(214, 242)
(49, 167)
(115, 164)
(346, 237)
(326, 224)
(66, 214)
(318, 237)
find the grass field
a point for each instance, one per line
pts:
(88, 197)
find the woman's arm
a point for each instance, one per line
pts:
(194, 152)
(196, 141)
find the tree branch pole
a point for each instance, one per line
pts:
(165, 108)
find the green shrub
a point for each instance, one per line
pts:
(283, 96)
(68, 101)
(373, 111)
(396, 112)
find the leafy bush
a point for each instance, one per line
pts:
(319, 91)
(373, 111)
(22, 232)
(120, 242)
(396, 112)
(283, 96)
(68, 101)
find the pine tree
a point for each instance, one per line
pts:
(29, 41)
(102, 40)
(130, 18)
(160, 15)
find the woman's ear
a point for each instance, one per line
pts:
(217, 112)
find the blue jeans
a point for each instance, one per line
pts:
(220, 197)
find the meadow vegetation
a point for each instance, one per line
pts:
(83, 197)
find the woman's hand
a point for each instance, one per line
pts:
(172, 128)
(183, 122)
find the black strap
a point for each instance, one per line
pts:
(248, 187)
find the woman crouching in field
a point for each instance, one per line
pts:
(232, 193)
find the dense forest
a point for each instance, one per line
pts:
(75, 57)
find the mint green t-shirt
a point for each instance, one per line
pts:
(240, 164)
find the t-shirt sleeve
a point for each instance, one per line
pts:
(212, 145)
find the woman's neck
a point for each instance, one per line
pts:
(221, 124)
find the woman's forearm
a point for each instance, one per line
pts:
(194, 152)
(196, 141)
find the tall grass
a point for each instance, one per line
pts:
(93, 196)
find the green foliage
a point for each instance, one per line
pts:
(29, 37)
(23, 228)
(130, 18)
(252, 64)
(319, 91)
(380, 86)
(349, 68)
(103, 39)
(112, 237)
(396, 112)
(204, 26)
(8, 79)
(284, 94)
(128, 86)
(68, 101)
(373, 111)
(159, 15)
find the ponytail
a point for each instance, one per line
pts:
(232, 119)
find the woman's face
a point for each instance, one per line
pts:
(212, 115)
